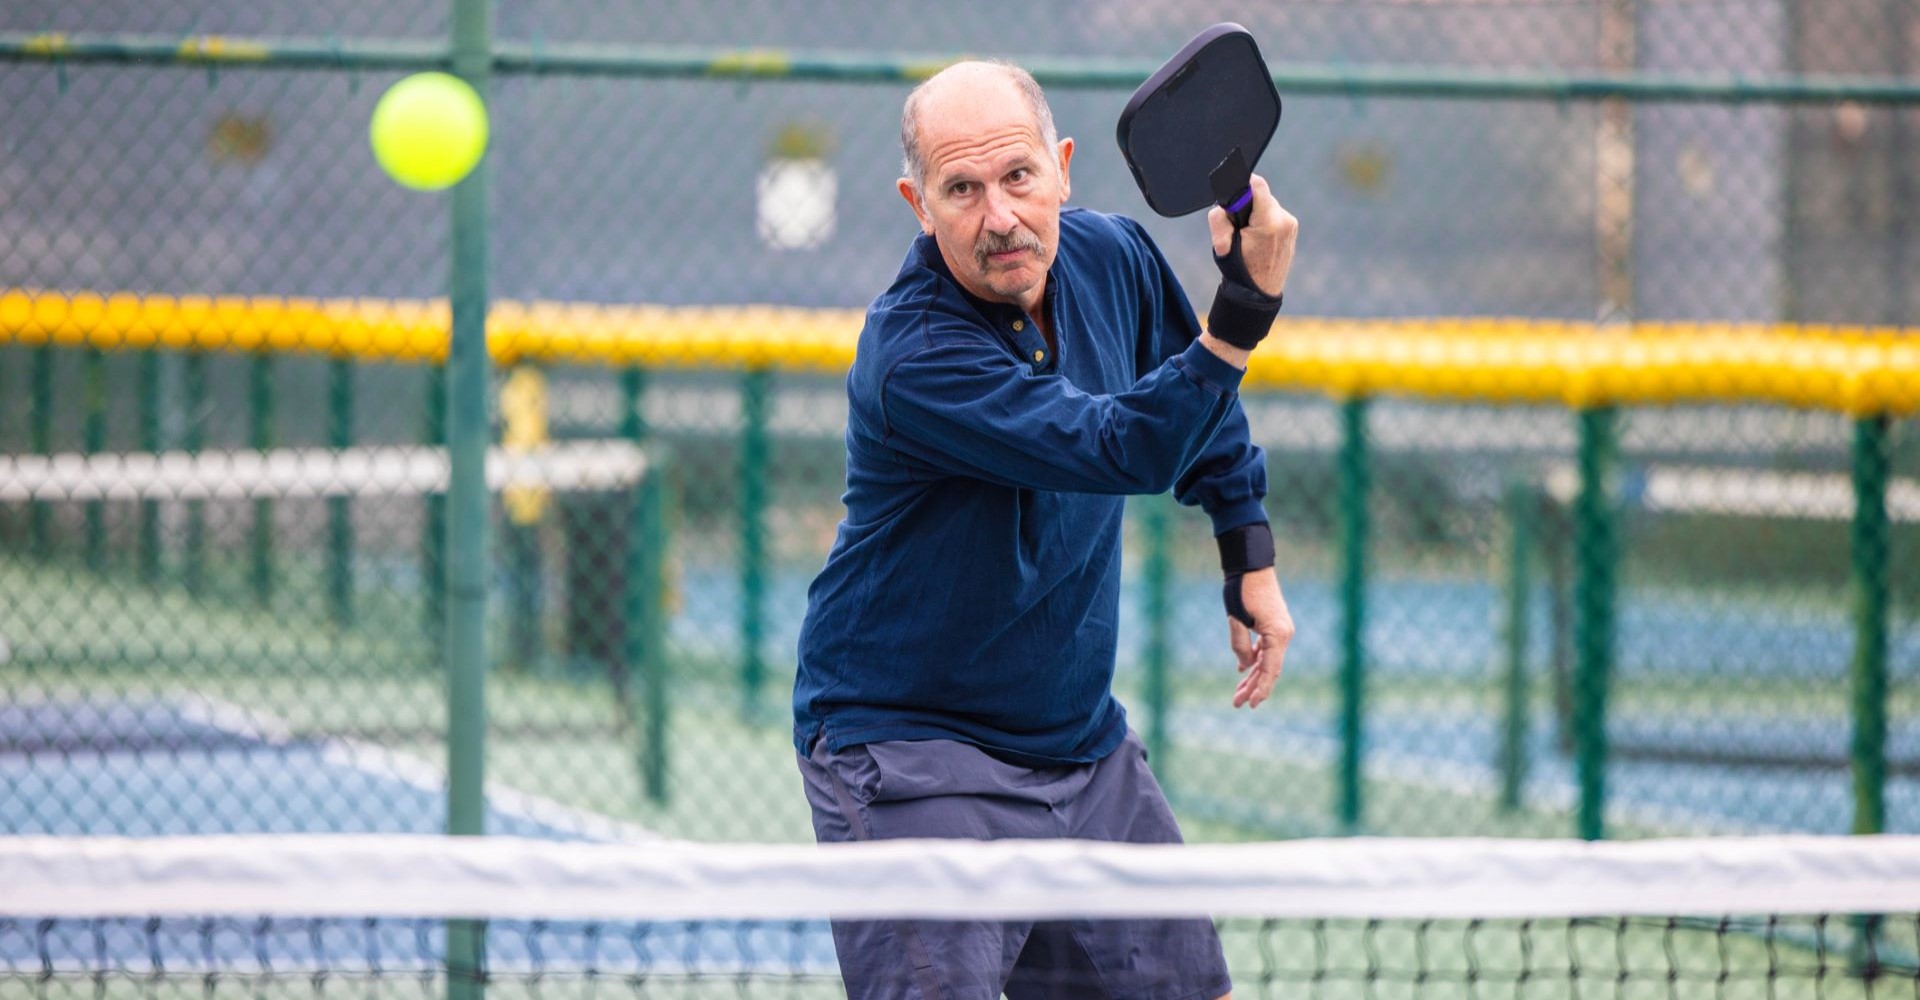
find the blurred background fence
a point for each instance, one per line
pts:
(1612, 334)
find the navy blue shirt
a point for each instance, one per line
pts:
(973, 591)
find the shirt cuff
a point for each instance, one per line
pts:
(1237, 514)
(1210, 370)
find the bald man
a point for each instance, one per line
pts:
(1030, 367)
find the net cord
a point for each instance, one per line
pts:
(509, 878)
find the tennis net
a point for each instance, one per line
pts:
(375, 916)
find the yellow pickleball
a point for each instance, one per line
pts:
(429, 130)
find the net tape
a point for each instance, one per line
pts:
(1386, 878)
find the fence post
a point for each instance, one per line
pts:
(1354, 526)
(94, 442)
(1523, 506)
(261, 398)
(40, 429)
(1594, 557)
(755, 393)
(433, 533)
(194, 375)
(467, 425)
(340, 508)
(1157, 577)
(151, 407)
(648, 537)
(1871, 541)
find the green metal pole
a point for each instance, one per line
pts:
(152, 405)
(433, 533)
(1872, 455)
(755, 390)
(95, 442)
(1354, 527)
(1595, 559)
(261, 403)
(40, 424)
(194, 374)
(469, 374)
(648, 538)
(1523, 504)
(1157, 575)
(340, 602)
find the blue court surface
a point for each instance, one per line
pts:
(189, 769)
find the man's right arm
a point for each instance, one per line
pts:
(1253, 263)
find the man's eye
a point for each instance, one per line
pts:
(960, 189)
(1018, 175)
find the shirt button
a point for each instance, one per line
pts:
(1039, 356)
(1019, 324)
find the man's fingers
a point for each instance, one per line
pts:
(1272, 655)
(1249, 682)
(1242, 641)
(1264, 207)
(1221, 229)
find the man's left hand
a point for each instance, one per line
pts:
(1262, 648)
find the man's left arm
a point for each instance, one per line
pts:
(1228, 481)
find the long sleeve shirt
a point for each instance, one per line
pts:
(973, 590)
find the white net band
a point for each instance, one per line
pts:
(398, 876)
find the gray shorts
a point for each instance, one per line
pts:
(942, 788)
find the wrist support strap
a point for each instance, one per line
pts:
(1242, 313)
(1243, 550)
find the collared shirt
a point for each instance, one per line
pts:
(973, 591)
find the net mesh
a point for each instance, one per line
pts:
(678, 920)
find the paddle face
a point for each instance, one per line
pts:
(1193, 131)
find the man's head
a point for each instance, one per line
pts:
(986, 175)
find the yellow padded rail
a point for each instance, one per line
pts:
(1852, 370)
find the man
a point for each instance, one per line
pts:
(1027, 369)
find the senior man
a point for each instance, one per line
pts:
(1029, 367)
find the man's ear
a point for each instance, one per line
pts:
(912, 193)
(1066, 158)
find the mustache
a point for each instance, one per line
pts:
(992, 243)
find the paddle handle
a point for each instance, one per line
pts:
(1240, 209)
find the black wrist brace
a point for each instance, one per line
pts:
(1242, 313)
(1243, 550)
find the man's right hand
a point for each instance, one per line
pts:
(1254, 262)
(1266, 244)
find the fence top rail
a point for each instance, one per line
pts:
(1855, 370)
(689, 62)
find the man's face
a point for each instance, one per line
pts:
(993, 190)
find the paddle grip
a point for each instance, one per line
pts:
(1240, 209)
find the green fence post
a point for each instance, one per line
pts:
(94, 442)
(648, 537)
(433, 533)
(469, 376)
(340, 373)
(1523, 506)
(1157, 576)
(151, 406)
(194, 393)
(260, 401)
(1354, 526)
(1872, 539)
(1594, 556)
(755, 390)
(40, 429)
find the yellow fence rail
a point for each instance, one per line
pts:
(1854, 370)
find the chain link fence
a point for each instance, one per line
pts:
(221, 606)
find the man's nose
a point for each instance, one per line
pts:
(1000, 219)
